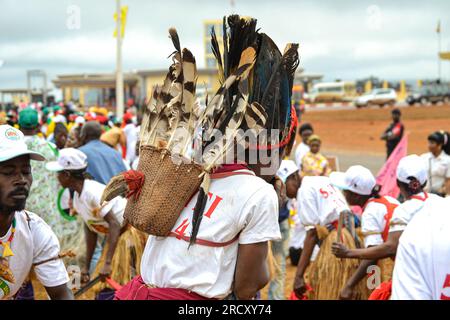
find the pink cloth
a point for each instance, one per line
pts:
(387, 177)
(137, 290)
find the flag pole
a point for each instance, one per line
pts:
(439, 50)
(119, 74)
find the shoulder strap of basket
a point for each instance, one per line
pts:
(205, 242)
(221, 175)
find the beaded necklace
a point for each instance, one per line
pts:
(7, 252)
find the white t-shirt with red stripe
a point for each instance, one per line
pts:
(319, 202)
(408, 209)
(422, 263)
(373, 221)
(240, 204)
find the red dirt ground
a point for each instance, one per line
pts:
(360, 130)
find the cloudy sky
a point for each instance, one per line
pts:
(338, 38)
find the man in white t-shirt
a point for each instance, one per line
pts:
(99, 220)
(319, 205)
(239, 215)
(422, 263)
(305, 131)
(25, 239)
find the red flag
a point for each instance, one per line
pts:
(387, 177)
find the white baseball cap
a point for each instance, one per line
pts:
(287, 168)
(59, 119)
(12, 145)
(80, 120)
(412, 166)
(357, 179)
(68, 159)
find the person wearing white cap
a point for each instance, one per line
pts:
(320, 205)
(422, 263)
(26, 241)
(411, 180)
(100, 219)
(360, 189)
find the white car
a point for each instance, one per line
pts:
(379, 97)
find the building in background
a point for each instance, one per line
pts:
(207, 82)
(100, 89)
(18, 96)
(96, 89)
(208, 25)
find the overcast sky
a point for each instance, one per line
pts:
(340, 39)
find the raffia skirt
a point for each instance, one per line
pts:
(328, 274)
(126, 261)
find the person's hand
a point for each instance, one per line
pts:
(324, 170)
(339, 250)
(106, 271)
(346, 293)
(280, 189)
(85, 277)
(299, 287)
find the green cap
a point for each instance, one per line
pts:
(28, 118)
(46, 110)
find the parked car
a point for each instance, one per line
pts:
(430, 94)
(380, 97)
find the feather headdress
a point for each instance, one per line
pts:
(255, 93)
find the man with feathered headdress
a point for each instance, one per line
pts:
(218, 247)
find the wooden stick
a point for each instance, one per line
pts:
(340, 225)
(68, 253)
(89, 285)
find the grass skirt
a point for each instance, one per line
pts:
(328, 274)
(126, 261)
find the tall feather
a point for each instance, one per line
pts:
(217, 54)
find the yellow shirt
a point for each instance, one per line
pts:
(315, 165)
(113, 137)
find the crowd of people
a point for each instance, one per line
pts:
(68, 176)
(82, 152)
(82, 155)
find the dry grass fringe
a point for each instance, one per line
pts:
(329, 274)
(126, 261)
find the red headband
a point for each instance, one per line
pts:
(286, 139)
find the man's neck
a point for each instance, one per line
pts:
(78, 186)
(5, 222)
(363, 201)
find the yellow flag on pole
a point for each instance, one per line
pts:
(123, 21)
